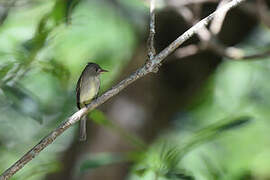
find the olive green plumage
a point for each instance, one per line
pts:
(87, 89)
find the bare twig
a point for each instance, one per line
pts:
(232, 53)
(152, 31)
(191, 19)
(149, 67)
(207, 38)
(186, 13)
(256, 56)
(229, 52)
(197, 11)
(238, 54)
(187, 51)
(179, 3)
(217, 22)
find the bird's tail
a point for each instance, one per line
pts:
(83, 135)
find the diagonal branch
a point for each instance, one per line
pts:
(149, 67)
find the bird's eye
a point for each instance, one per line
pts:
(96, 69)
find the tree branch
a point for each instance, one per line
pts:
(152, 32)
(149, 67)
(188, 2)
(217, 22)
(208, 39)
(187, 51)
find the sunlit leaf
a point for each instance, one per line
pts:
(59, 11)
(63, 9)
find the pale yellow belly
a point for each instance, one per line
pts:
(87, 95)
(88, 91)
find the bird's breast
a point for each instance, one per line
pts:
(89, 89)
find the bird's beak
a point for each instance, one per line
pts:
(102, 71)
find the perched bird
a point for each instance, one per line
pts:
(87, 89)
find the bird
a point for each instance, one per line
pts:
(87, 89)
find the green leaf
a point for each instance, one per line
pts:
(100, 160)
(57, 69)
(236, 123)
(71, 4)
(178, 175)
(63, 9)
(211, 131)
(59, 11)
(99, 118)
(140, 171)
(4, 69)
(164, 157)
(23, 101)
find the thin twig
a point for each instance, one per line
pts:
(217, 22)
(232, 53)
(239, 54)
(152, 32)
(207, 38)
(179, 3)
(187, 51)
(191, 19)
(149, 67)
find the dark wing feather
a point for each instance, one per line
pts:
(78, 89)
(97, 90)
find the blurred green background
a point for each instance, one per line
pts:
(201, 117)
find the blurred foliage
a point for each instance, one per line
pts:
(99, 118)
(164, 156)
(44, 45)
(237, 88)
(98, 160)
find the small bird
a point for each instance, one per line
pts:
(87, 89)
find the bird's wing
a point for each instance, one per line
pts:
(78, 87)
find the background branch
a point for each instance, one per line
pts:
(217, 22)
(188, 2)
(209, 39)
(150, 66)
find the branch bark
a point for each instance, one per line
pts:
(152, 32)
(149, 67)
